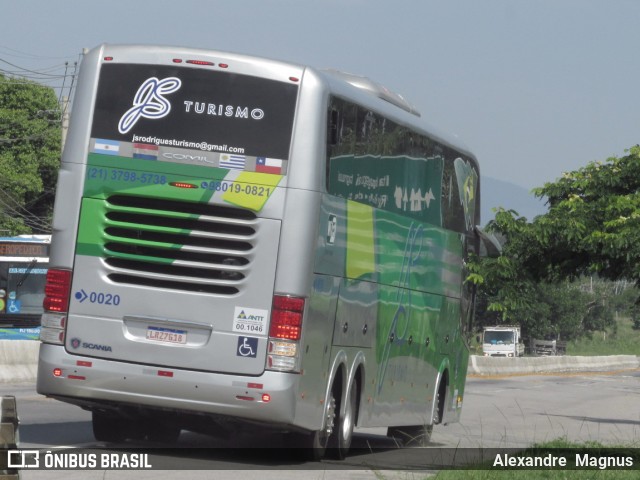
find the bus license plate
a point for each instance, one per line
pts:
(166, 335)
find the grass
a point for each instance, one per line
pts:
(622, 340)
(536, 474)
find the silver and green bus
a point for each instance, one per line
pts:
(245, 242)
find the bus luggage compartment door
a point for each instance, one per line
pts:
(356, 313)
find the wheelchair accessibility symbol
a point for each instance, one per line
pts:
(14, 306)
(247, 347)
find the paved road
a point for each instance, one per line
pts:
(520, 410)
(498, 412)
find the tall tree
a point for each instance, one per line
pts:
(592, 227)
(29, 155)
(594, 217)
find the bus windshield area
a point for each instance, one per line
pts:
(208, 118)
(498, 338)
(23, 292)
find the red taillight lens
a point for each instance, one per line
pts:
(201, 62)
(183, 185)
(286, 317)
(57, 290)
(283, 302)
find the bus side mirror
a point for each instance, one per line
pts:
(478, 338)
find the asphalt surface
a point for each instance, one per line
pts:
(498, 412)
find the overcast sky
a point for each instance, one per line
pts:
(533, 87)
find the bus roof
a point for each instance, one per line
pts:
(371, 94)
(376, 89)
(358, 88)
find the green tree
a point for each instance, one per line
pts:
(29, 155)
(592, 227)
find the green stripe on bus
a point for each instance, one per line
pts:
(109, 175)
(361, 258)
(92, 235)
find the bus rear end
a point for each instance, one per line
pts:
(161, 296)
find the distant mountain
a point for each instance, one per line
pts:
(500, 193)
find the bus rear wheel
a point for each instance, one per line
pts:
(313, 445)
(340, 441)
(108, 427)
(161, 433)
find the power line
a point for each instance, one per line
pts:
(30, 220)
(28, 55)
(24, 69)
(19, 205)
(46, 75)
(32, 76)
(61, 77)
(27, 216)
(32, 83)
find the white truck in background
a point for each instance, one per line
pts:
(502, 341)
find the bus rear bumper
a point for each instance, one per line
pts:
(95, 383)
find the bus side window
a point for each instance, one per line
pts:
(333, 138)
(332, 129)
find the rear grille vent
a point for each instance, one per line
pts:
(178, 245)
(175, 238)
(182, 207)
(173, 285)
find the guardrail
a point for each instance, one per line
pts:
(19, 363)
(554, 364)
(18, 360)
(9, 438)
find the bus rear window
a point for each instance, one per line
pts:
(190, 115)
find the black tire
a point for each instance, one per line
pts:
(312, 446)
(309, 446)
(340, 441)
(108, 427)
(167, 433)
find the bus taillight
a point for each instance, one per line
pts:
(56, 305)
(286, 317)
(57, 290)
(284, 333)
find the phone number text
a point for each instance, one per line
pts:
(113, 174)
(235, 187)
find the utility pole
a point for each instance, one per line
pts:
(64, 103)
(65, 120)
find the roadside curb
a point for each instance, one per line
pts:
(559, 364)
